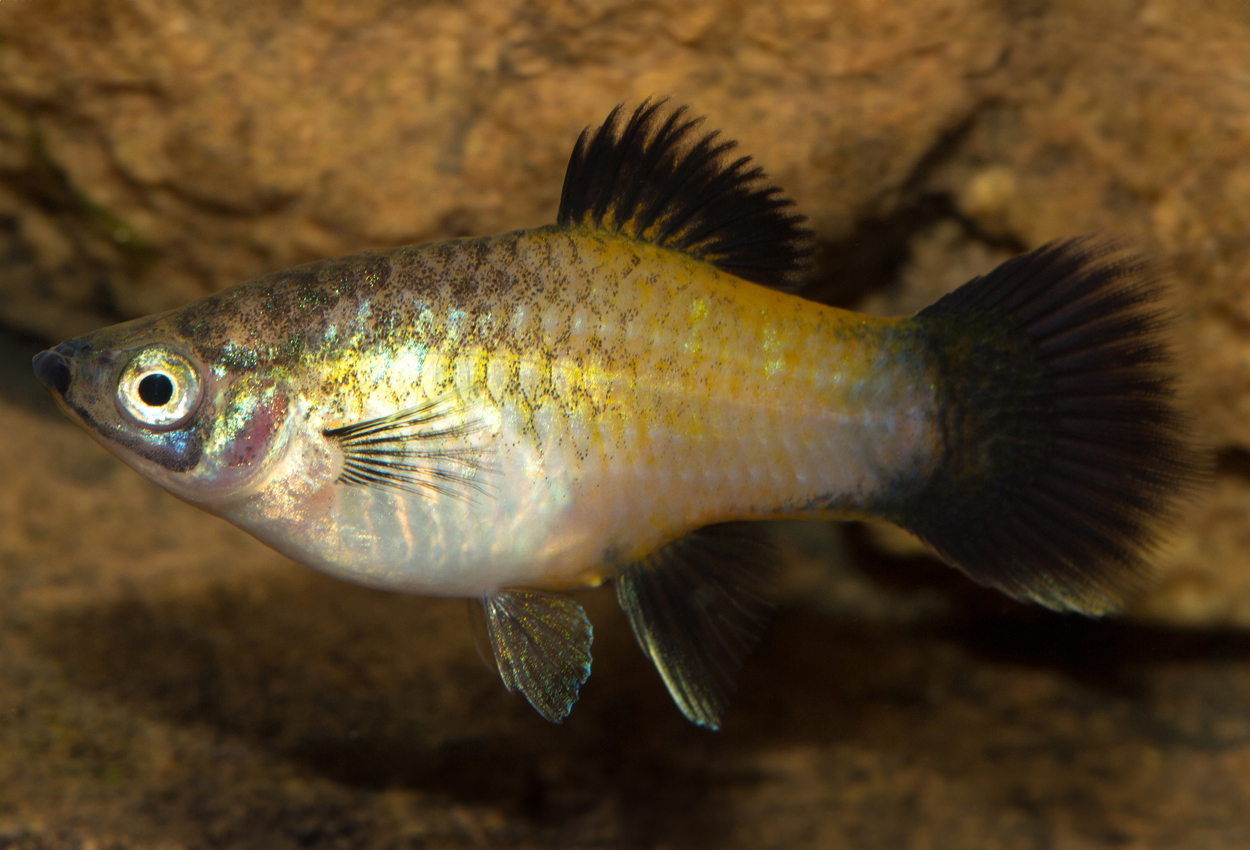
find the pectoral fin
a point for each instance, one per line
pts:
(541, 644)
(697, 607)
(434, 449)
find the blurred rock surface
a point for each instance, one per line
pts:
(167, 682)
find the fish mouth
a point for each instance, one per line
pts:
(52, 366)
(52, 370)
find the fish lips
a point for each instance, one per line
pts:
(52, 367)
(52, 370)
(61, 371)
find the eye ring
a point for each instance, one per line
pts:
(160, 388)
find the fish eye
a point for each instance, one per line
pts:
(159, 388)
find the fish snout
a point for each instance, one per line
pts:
(52, 370)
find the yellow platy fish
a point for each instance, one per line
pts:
(613, 398)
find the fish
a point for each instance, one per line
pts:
(625, 396)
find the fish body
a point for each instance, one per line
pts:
(597, 397)
(507, 417)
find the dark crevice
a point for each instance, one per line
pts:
(873, 255)
(943, 149)
(1233, 461)
(907, 574)
(1093, 649)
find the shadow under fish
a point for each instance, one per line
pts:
(616, 397)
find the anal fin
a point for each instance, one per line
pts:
(541, 644)
(696, 607)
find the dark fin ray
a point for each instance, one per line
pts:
(541, 645)
(1065, 455)
(428, 449)
(653, 179)
(697, 606)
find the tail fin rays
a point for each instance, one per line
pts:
(1065, 456)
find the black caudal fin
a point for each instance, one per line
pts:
(1064, 454)
(653, 178)
(696, 607)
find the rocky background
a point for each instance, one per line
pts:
(167, 682)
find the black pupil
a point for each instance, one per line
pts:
(156, 390)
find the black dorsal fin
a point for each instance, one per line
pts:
(655, 180)
(697, 606)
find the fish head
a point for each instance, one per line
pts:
(201, 429)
